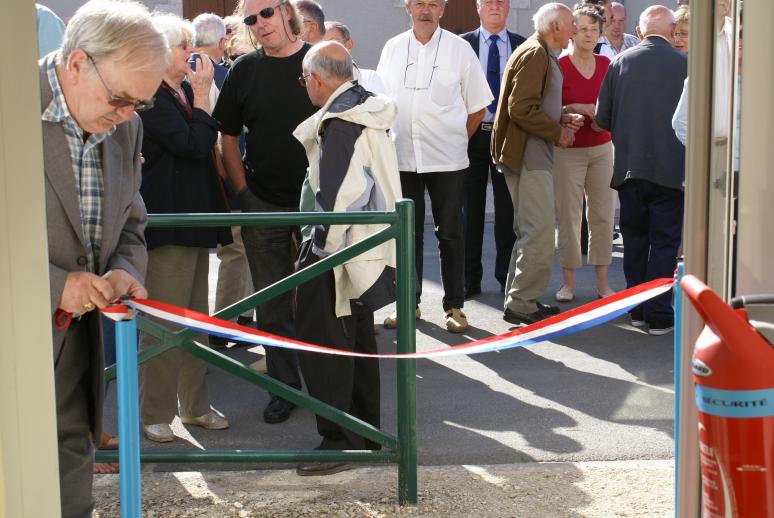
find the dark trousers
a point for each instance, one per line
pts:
(446, 194)
(349, 384)
(476, 179)
(651, 226)
(72, 373)
(271, 252)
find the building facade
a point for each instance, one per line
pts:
(373, 22)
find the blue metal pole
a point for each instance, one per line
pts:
(678, 332)
(128, 419)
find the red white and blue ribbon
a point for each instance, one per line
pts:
(571, 321)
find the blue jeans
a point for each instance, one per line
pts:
(652, 226)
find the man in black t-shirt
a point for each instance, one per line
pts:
(263, 94)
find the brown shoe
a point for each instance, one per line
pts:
(320, 469)
(391, 322)
(456, 321)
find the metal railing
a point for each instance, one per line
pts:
(401, 449)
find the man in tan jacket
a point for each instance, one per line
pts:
(529, 121)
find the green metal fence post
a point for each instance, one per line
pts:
(407, 369)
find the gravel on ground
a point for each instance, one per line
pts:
(639, 488)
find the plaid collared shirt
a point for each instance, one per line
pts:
(86, 159)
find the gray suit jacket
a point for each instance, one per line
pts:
(124, 219)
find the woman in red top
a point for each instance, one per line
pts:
(586, 166)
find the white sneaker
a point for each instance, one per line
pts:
(565, 294)
(161, 432)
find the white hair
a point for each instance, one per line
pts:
(177, 30)
(102, 28)
(327, 66)
(208, 29)
(548, 14)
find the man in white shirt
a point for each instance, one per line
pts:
(369, 79)
(615, 37)
(436, 81)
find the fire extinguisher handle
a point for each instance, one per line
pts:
(751, 300)
(729, 325)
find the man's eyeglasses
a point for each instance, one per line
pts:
(682, 35)
(264, 13)
(302, 79)
(122, 102)
(416, 73)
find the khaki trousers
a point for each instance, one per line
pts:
(589, 170)
(176, 275)
(234, 280)
(532, 194)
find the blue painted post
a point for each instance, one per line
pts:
(678, 304)
(128, 418)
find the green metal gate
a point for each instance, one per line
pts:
(401, 449)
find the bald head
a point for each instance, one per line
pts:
(657, 20)
(327, 66)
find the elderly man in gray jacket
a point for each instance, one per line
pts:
(352, 167)
(110, 65)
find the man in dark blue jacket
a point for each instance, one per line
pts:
(210, 40)
(638, 97)
(493, 45)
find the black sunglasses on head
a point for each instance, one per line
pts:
(265, 13)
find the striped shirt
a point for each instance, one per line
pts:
(86, 160)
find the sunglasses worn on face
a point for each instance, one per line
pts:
(122, 102)
(302, 79)
(265, 13)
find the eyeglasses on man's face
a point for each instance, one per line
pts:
(302, 79)
(265, 13)
(122, 102)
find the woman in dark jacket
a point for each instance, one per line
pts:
(179, 175)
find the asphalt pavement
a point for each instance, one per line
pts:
(600, 395)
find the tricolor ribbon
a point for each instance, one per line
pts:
(571, 321)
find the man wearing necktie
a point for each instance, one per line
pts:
(493, 44)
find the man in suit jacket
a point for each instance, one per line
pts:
(89, 90)
(210, 40)
(493, 45)
(636, 102)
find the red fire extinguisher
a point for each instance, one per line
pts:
(733, 374)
